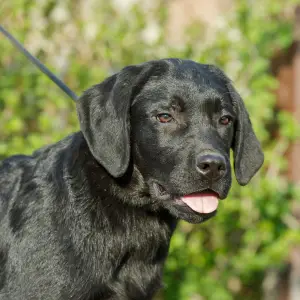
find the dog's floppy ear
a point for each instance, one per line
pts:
(104, 115)
(248, 155)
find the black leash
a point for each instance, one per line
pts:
(36, 62)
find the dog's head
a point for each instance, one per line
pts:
(175, 121)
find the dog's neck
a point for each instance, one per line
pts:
(130, 192)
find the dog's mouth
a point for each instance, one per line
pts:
(202, 202)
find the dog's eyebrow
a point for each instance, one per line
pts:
(229, 108)
(215, 101)
(227, 102)
(177, 101)
(211, 103)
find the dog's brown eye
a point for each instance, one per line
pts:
(225, 120)
(164, 118)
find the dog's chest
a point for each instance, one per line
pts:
(120, 246)
(129, 260)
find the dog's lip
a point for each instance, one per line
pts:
(164, 194)
(205, 192)
(204, 202)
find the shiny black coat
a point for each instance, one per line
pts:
(91, 217)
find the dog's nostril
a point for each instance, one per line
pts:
(221, 167)
(211, 166)
(204, 166)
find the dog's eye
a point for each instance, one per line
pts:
(225, 120)
(164, 118)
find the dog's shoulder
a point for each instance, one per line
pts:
(25, 174)
(12, 170)
(13, 167)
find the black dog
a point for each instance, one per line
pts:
(91, 216)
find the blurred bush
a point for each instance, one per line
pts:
(84, 41)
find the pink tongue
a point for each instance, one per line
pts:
(202, 203)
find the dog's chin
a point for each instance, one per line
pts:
(183, 212)
(194, 207)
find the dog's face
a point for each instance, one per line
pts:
(176, 121)
(181, 137)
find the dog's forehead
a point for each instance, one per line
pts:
(198, 74)
(188, 80)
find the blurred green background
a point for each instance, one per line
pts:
(244, 252)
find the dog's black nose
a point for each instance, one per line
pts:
(211, 166)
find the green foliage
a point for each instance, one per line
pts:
(85, 41)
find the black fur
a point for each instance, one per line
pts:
(91, 217)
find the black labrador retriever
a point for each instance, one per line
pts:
(91, 216)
